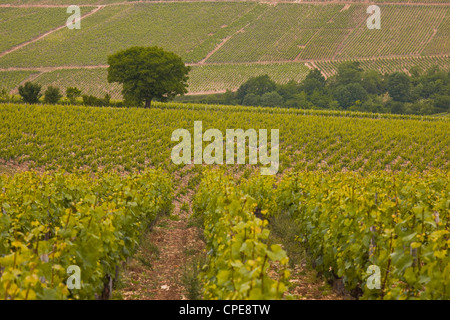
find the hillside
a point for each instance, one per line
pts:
(224, 42)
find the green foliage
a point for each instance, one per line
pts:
(52, 221)
(313, 81)
(89, 100)
(256, 86)
(52, 95)
(72, 93)
(271, 99)
(399, 86)
(351, 89)
(346, 95)
(148, 73)
(239, 254)
(30, 92)
(397, 222)
(78, 137)
(348, 72)
(251, 99)
(4, 96)
(373, 82)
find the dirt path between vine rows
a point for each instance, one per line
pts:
(156, 270)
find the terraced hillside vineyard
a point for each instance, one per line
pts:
(217, 35)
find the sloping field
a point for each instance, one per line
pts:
(404, 31)
(203, 78)
(177, 27)
(225, 42)
(222, 77)
(440, 41)
(11, 79)
(89, 81)
(276, 35)
(18, 25)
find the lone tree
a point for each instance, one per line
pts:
(148, 73)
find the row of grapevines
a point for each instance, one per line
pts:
(292, 111)
(239, 252)
(53, 221)
(276, 34)
(199, 27)
(399, 223)
(74, 137)
(400, 34)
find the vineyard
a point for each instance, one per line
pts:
(93, 206)
(109, 30)
(10, 79)
(77, 137)
(401, 33)
(51, 221)
(399, 223)
(33, 22)
(219, 77)
(225, 42)
(276, 34)
(348, 222)
(89, 81)
(363, 190)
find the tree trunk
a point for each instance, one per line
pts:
(148, 103)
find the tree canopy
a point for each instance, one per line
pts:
(420, 91)
(30, 92)
(399, 86)
(256, 86)
(148, 73)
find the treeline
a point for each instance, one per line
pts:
(351, 88)
(31, 93)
